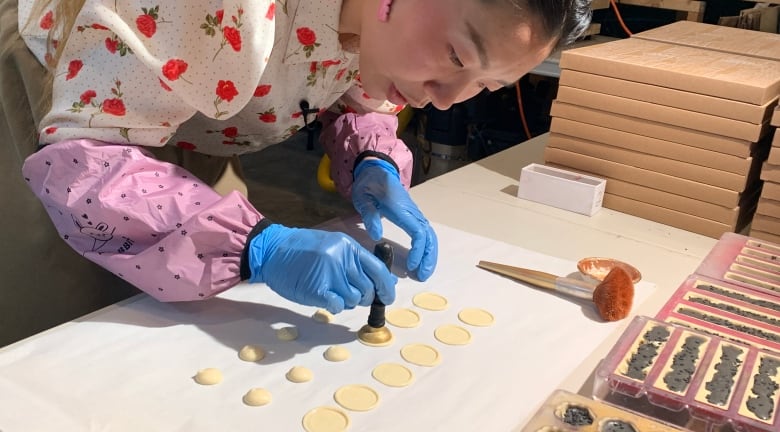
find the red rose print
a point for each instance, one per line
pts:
(267, 117)
(329, 63)
(230, 132)
(174, 68)
(233, 36)
(313, 67)
(50, 130)
(271, 11)
(306, 36)
(114, 107)
(47, 20)
(97, 26)
(163, 85)
(296, 115)
(185, 145)
(112, 45)
(230, 34)
(73, 69)
(146, 24)
(340, 73)
(262, 90)
(87, 96)
(226, 90)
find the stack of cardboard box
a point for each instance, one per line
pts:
(675, 118)
(766, 222)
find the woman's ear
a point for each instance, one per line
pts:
(384, 10)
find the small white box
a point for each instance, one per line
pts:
(560, 188)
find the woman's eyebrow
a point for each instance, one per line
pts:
(479, 43)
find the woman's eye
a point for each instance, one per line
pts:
(454, 58)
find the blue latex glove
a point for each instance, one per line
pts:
(319, 268)
(377, 192)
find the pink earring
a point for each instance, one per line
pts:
(384, 10)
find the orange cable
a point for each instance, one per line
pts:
(522, 112)
(620, 18)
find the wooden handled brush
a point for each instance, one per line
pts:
(613, 296)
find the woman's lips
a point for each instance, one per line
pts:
(395, 96)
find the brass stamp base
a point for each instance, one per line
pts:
(375, 336)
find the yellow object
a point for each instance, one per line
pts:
(323, 175)
(404, 117)
(323, 169)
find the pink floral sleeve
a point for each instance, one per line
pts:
(347, 136)
(356, 124)
(150, 222)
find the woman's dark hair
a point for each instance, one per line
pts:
(562, 20)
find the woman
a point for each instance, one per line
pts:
(133, 78)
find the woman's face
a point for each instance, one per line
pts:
(445, 51)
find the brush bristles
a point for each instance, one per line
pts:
(614, 296)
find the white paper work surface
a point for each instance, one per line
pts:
(130, 367)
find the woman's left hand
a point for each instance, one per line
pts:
(376, 192)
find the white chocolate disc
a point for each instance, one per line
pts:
(402, 317)
(452, 335)
(357, 397)
(421, 355)
(251, 353)
(287, 334)
(476, 317)
(208, 376)
(299, 374)
(257, 397)
(325, 419)
(393, 375)
(323, 316)
(336, 353)
(430, 301)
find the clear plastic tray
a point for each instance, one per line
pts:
(691, 379)
(730, 311)
(744, 261)
(565, 411)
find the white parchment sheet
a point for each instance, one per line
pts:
(129, 367)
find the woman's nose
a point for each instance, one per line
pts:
(443, 94)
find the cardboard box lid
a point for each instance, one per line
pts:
(653, 146)
(667, 132)
(697, 173)
(664, 114)
(719, 38)
(669, 217)
(731, 109)
(615, 170)
(736, 77)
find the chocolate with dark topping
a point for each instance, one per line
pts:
(577, 416)
(723, 322)
(617, 426)
(646, 352)
(684, 364)
(764, 390)
(723, 380)
(775, 306)
(727, 307)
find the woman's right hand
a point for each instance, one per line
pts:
(319, 268)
